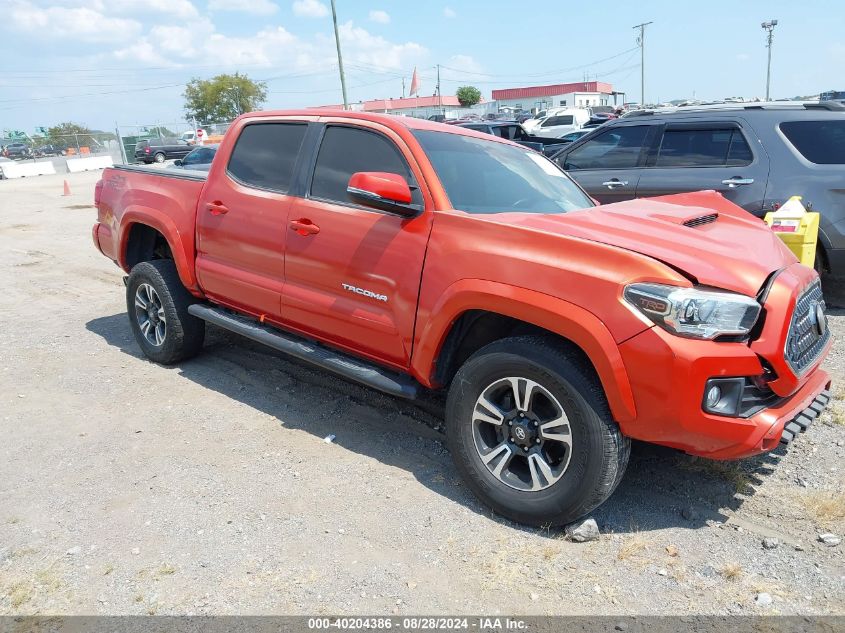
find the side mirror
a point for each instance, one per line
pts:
(178, 162)
(382, 190)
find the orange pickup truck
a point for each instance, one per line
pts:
(410, 255)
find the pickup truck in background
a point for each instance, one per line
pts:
(410, 255)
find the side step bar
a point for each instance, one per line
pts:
(354, 369)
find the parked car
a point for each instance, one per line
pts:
(198, 159)
(191, 138)
(756, 155)
(18, 150)
(421, 256)
(515, 132)
(49, 150)
(159, 150)
(557, 125)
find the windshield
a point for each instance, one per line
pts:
(482, 176)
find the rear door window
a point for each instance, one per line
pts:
(820, 142)
(710, 147)
(557, 120)
(617, 148)
(265, 155)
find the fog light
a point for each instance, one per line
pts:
(714, 394)
(722, 396)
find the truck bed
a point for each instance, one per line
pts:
(166, 199)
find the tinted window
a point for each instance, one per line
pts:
(200, 155)
(617, 148)
(557, 120)
(703, 148)
(265, 154)
(488, 176)
(345, 151)
(821, 142)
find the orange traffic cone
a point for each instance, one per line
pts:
(67, 189)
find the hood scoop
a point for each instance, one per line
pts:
(700, 220)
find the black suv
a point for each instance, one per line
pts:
(756, 155)
(159, 150)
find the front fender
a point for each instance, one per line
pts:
(550, 313)
(181, 242)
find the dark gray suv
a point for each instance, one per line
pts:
(756, 155)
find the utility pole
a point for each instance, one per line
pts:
(403, 87)
(339, 58)
(641, 42)
(770, 28)
(439, 98)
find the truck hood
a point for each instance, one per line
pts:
(700, 234)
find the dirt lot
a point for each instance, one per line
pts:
(130, 488)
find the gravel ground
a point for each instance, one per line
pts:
(130, 488)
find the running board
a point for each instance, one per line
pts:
(354, 369)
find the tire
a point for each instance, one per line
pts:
(581, 476)
(182, 334)
(159, 157)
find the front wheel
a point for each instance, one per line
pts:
(530, 430)
(157, 304)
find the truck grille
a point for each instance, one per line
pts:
(808, 330)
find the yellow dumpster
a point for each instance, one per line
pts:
(797, 228)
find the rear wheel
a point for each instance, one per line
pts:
(157, 304)
(530, 430)
(159, 157)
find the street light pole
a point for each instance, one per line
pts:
(641, 42)
(339, 58)
(770, 28)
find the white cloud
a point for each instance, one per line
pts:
(79, 23)
(310, 9)
(449, 12)
(465, 63)
(382, 17)
(274, 47)
(256, 7)
(183, 9)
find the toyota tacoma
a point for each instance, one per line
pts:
(411, 256)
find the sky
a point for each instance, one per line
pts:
(101, 62)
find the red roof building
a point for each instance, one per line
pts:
(534, 92)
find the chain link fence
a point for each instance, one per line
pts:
(129, 135)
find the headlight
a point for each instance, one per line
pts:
(694, 313)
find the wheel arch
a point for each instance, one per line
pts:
(473, 313)
(148, 234)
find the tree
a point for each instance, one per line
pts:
(69, 134)
(468, 95)
(222, 98)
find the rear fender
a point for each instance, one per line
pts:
(550, 313)
(181, 245)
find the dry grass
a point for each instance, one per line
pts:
(827, 508)
(731, 571)
(550, 552)
(108, 569)
(731, 472)
(166, 570)
(672, 550)
(632, 547)
(20, 593)
(139, 597)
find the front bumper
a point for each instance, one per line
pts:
(668, 374)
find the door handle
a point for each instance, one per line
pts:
(217, 208)
(614, 182)
(736, 181)
(304, 227)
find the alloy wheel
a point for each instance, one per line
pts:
(522, 434)
(149, 313)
